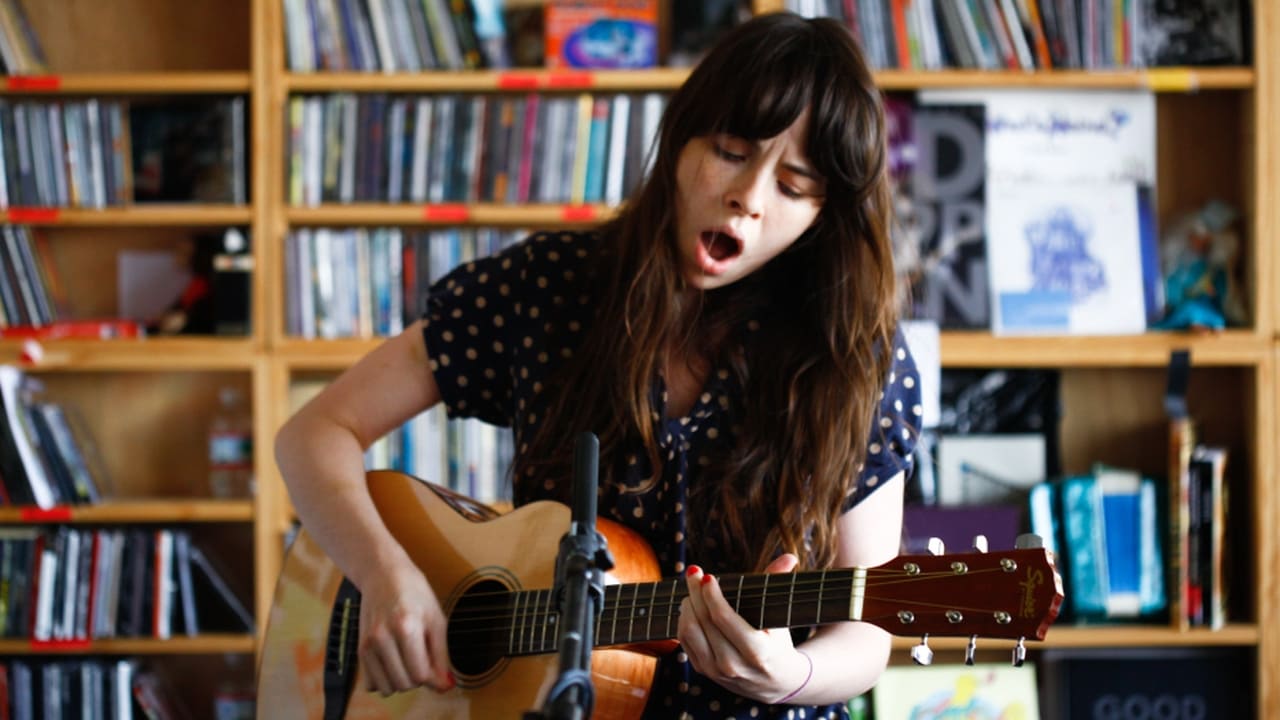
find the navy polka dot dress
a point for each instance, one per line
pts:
(495, 329)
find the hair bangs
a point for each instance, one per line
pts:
(755, 89)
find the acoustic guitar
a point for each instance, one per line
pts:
(494, 575)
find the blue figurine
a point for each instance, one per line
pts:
(1200, 253)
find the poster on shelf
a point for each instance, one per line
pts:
(1066, 258)
(1070, 192)
(942, 691)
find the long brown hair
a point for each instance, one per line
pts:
(813, 371)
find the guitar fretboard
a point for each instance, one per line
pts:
(644, 612)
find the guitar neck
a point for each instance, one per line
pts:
(646, 612)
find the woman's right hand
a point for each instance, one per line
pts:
(403, 634)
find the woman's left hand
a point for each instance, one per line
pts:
(759, 664)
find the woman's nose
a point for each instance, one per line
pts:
(746, 193)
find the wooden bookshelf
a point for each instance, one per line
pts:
(153, 396)
(1212, 141)
(147, 403)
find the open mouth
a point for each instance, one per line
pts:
(720, 246)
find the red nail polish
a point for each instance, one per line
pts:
(453, 681)
(706, 578)
(693, 570)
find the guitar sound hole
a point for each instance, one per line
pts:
(479, 627)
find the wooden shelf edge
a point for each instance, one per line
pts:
(1244, 348)
(322, 355)
(387, 214)
(129, 83)
(1174, 79)
(209, 644)
(134, 511)
(1238, 634)
(161, 354)
(517, 79)
(148, 214)
(1233, 348)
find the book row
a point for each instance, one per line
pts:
(85, 688)
(1114, 530)
(367, 282)
(530, 148)
(75, 584)
(47, 458)
(1038, 34)
(1104, 530)
(394, 35)
(463, 454)
(20, 51)
(64, 154)
(97, 153)
(1199, 514)
(26, 280)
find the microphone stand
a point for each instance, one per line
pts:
(579, 586)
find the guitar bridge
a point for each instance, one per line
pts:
(340, 651)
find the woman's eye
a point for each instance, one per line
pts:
(724, 153)
(789, 191)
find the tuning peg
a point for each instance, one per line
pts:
(971, 650)
(936, 546)
(1019, 653)
(921, 653)
(980, 543)
(1028, 541)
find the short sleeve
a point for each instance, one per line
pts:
(467, 316)
(896, 427)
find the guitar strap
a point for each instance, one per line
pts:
(340, 651)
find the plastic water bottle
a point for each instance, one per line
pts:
(231, 447)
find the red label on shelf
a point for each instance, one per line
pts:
(44, 83)
(517, 81)
(446, 213)
(57, 513)
(571, 79)
(578, 213)
(33, 215)
(59, 645)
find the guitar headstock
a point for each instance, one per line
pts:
(1009, 594)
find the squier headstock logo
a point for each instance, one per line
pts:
(1034, 579)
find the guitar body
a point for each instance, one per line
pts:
(458, 551)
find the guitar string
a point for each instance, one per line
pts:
(749, 602)
(465, 625)
(497, 637)
(500, 617)
(488, 613)
(804, 589)
(808, 579)
(500, 645)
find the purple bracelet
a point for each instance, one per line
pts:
(804, 684)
